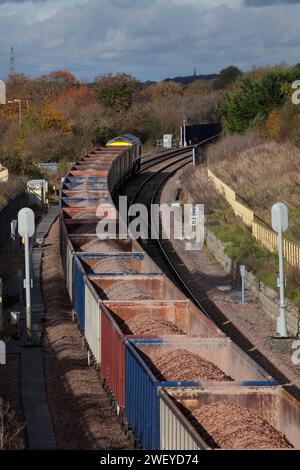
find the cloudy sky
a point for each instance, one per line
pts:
(151, 39)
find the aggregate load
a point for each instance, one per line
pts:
(86, 215)
(86, 228)
(91, 168)
(82, 194)
(100, 246)
(124, 290)
(182, 365)
(112, 265)
(152, 325)
(231, 426)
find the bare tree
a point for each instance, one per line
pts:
(10, 430)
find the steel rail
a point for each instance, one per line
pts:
(161, 157)
(181, 281)
(165, 167)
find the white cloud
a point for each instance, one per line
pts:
(151, 39)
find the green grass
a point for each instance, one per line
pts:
(244, 248)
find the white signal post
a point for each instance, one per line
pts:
(280, 225)
(243, 274)
(194, 156)
(184, 133)
(26, 228)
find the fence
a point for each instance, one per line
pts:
(260, 231)
(3, 174)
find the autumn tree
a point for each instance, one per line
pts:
(39, 128)
(116, 92)
(79, 95)
(17, 86)
(197, 87)
(163, 91)
(226, 77)
(44, 89)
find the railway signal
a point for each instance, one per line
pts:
(280, 225)
(26, 229)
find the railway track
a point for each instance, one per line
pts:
(161, 157)
(134, 301)
(148, 193)
(146, 186)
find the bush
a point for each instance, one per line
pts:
(250, 104)
(103, 135)
(227, 77)
(116, 92)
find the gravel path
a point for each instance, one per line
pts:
(247, 324)
(81, 411)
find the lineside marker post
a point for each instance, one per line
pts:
(26, 228)
(243, 274)
(13, 228)
(194, 156)
(184, 133)
(1, 306)
(280, 225)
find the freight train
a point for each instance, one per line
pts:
(140, 329)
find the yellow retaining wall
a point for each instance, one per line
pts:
(3, 174)
(265, 236)
(246, 214)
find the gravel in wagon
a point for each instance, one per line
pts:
(86, 215)
(231, 426)
(182, 365)
(152, 325)
(112, 265)
(100, 246)
(84, 204)
(84, 194)
(89, 228)
(124, 290)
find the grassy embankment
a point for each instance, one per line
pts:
(263, 172)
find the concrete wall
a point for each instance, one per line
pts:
(268, 297)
